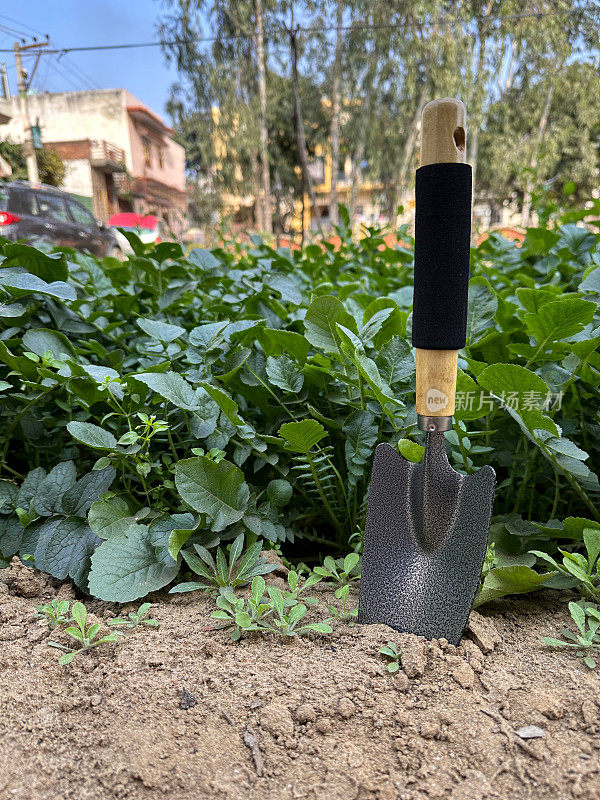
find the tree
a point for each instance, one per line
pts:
(51, 167)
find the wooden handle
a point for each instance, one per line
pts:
(443, 141)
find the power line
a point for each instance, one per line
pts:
(361, 27)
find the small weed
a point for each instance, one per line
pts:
(586, 617)
(394, 656)
(241, 616)
(280, 613)
(222, 573)
(341, 570)
(135, 618)
(87, 637)
(344, 614)
(55, 613)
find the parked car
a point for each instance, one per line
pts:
(40, 213)
(149, 228)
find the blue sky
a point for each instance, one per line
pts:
(85, 22)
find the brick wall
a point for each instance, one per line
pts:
(69, 151)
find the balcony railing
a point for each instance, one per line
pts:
(107, 156)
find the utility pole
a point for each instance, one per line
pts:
(23, 86)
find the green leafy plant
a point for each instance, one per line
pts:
(55, 613)
(242, 616)
(135, 618)
(341, 571)
(222, 573)
(344, 613)
(87, 637)
(394, 656)
(580, 570)
(178, 400)
(279, 613)
(586, 640)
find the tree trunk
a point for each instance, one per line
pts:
(409, 149)
(359, 152)
(335, 115)
(258, 206)
(543, 124)
(300, 137)
(478, 98)
(262, 90)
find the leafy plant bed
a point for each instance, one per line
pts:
(181, 710)
(175, 402)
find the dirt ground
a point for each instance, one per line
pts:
(183, 712)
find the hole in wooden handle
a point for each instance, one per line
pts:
(459, 138)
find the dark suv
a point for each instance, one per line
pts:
(43, 213)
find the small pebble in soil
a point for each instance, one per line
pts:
(484, 632)
(589, 712)
(346, 708)
(414, 656)
(530, 732)
(187, 700)
(463, 674)
(306, 713)
(324, 725)
(430, 730)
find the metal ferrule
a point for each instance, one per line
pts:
(434, 424)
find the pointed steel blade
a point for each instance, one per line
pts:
(425, 541)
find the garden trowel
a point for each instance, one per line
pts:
(427, 525)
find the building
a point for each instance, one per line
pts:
(119, 154)
(368, 202)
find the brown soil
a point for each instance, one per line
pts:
(183, 712)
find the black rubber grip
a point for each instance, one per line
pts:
(442, 245)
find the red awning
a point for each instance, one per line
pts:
(128, 219)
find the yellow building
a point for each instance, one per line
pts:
(368, 205)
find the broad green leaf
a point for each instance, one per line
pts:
(279, 492)
(47, 266)
(302, 436)
(559, 320)
(11, 535)
(412, 451)
(276, 342)
(360, 431)
(282, 372)
(12, 310)
(502, 581)
(566, 448)
(396, 361)
(110, 518)
(321, 320)
(40, 341)
(127, 567)
(49, 494)
(157, 329)
(578, 240)
(227, 405)
(203, 258)
(89, 488)
(177, 538)
(481, 308)
(172, 387)
(522, 392)
(591, 283)
(66, 549)
(92, 435)
(24, 283)
(218, 490)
